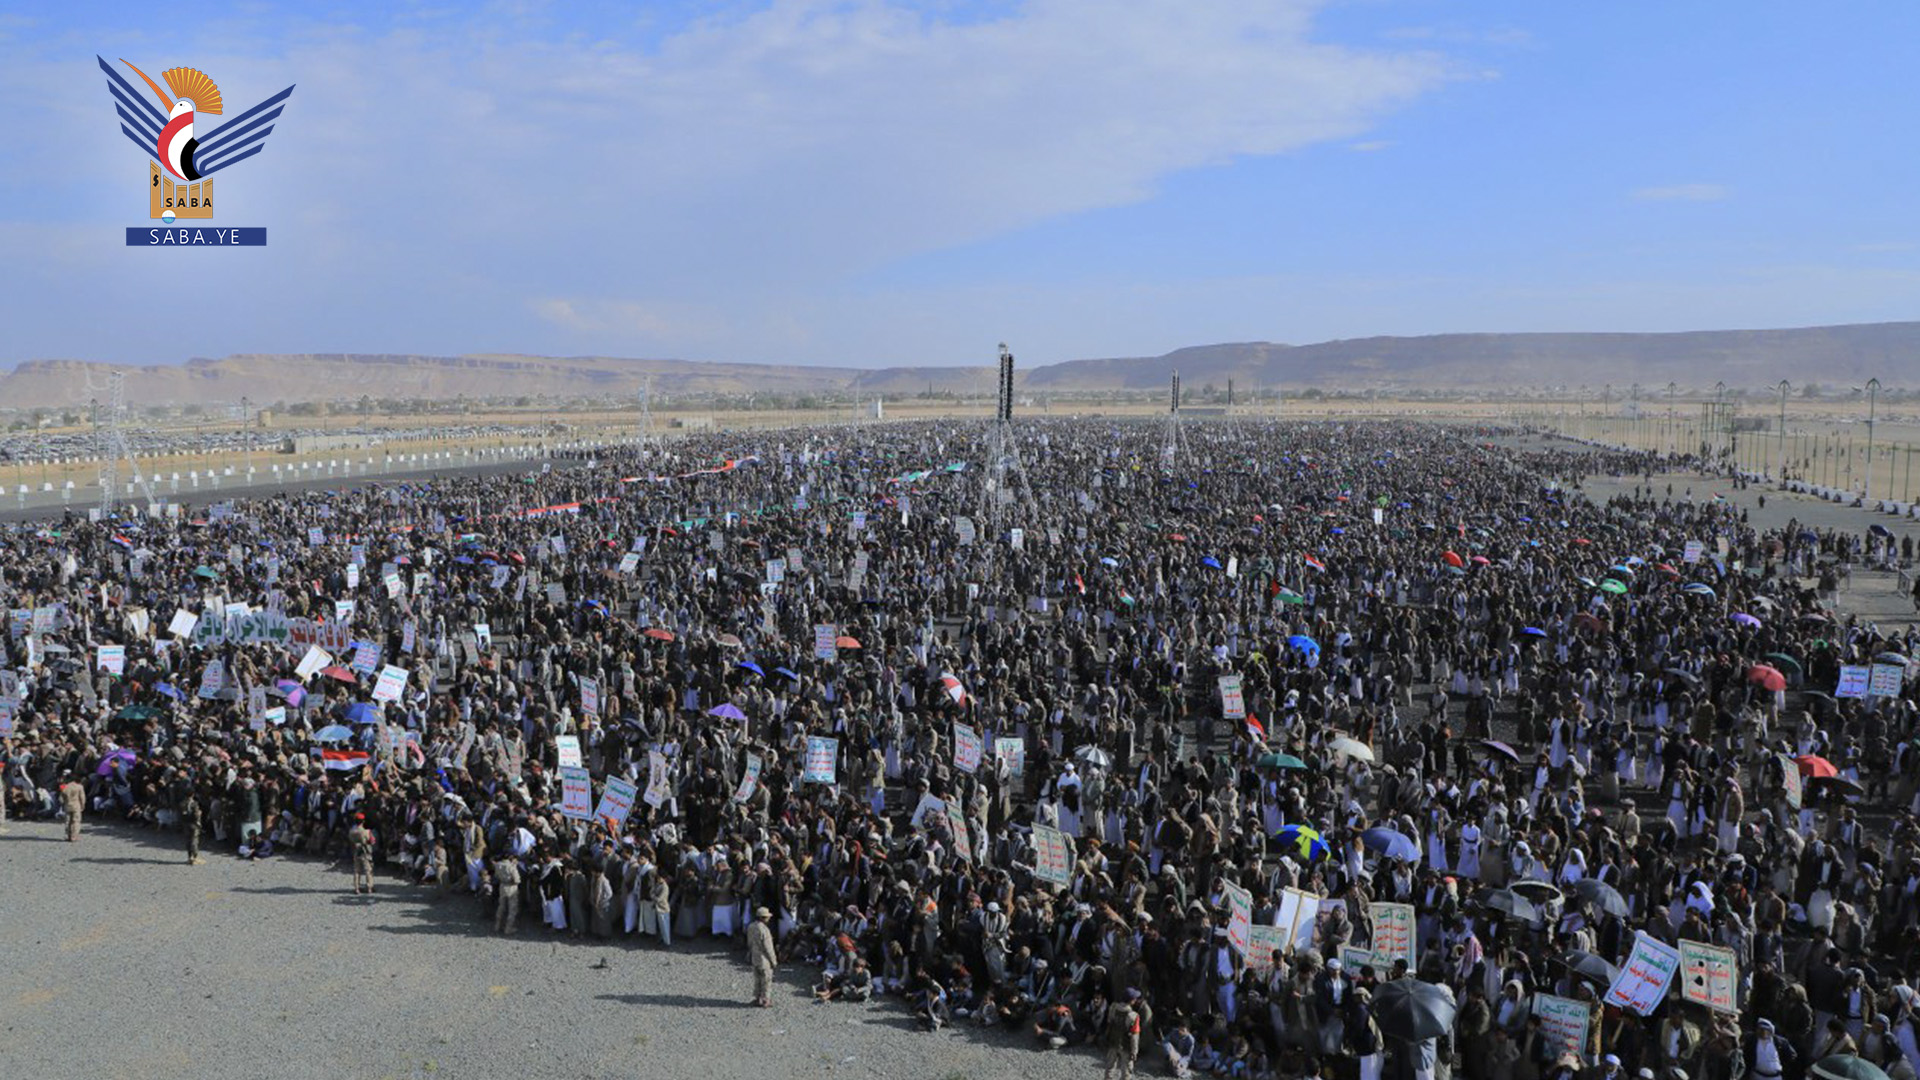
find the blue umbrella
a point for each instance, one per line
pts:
(751, 666)
(333, 733)
(1533, 631)
(361, 712)
(1108, 560)
(1304, 643)
(1303, 841)
(788, 674)
(1698, 589)
(1210, 561)
(1391, 843)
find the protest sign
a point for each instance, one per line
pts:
(1232, 705)
(1239, 903)
(967, 748)
(1886, 680)
(182, 624)
(1013, 753)
(1262, 942)
(823, 641)
(568, 747)
(749, 780)
(657, 779)
(1644, 979)
(1854, 681)
(823, 755)
(590, 696)
(315, 659)
(957, 825)
(1563, 1023)
(576, 793)
(1790, 781)
(390, 685)
(1052, 855)
(111, 659)
(616, 801)
(1709, 975)
(927, 809)
(1393, 932)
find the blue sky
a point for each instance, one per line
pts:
(904, 183)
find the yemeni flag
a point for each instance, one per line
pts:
(1255, 728)
(343, 760)
(1315, 563)
(125, 544)
(1080, 585)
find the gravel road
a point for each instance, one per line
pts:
(119, 960)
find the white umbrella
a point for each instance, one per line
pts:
(1352, 748)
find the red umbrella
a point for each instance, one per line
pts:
(1452, 558)
(338, 672)
(1814, 765)
(1582, 541)
(658, 634)
(1768, 677)
(729, 640)
(1482, 560)
(844, 642)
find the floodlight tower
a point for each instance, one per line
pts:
(1006, 479)
(1175, 442)
(645, 434)
(112, 446)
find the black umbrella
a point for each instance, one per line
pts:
(1838, 784)
(1412, 1010)
(1509, 903)
(1590, 967)
(1601, 895)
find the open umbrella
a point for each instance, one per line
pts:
(137, 713)
(845, 642)
(658, 634)
(1847, 1067)
(207, 572)
(1533, 631)
(361, 712)
(333, 733)
(729, 711)
(1602, 896)
(1277, 760)
(1537, 891)
(1766, 677)
(1741, 618)
(1840, 785)
(1391, 843)
(1784, 661)
(123, 758)
(1697, 588)
(1494, 746)
(1613, 585)
(1304, 643)
(1302, 841)
(1814, 765)
(731, 641)
(339, 673)
(1508, 903)
(1452, 558)
(1592, 968)
(750, 666)
(1352, 748)
(790, 674)
(1093, 757)
(1414, 1011)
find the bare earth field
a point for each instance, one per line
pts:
(121, 961)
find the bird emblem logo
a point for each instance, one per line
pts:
(180, 181)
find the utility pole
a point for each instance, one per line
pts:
(1873, 392)
(1780, 436)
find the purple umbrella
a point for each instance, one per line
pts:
(107, 763)
(1741, 618)
(727, 712)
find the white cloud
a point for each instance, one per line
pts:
(1370, 146)
(444, 173)
(1682, 193)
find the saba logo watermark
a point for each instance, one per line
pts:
(180, 176)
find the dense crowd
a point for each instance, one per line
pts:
(1297, 749)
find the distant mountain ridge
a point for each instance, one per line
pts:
(1847, 354)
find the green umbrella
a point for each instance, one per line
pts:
(1613, 585)
(205, 572)
(137, 713)
(1277, 760)
(1848, 1067)
(1784, 660)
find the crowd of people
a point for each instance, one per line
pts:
(1273, 750)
